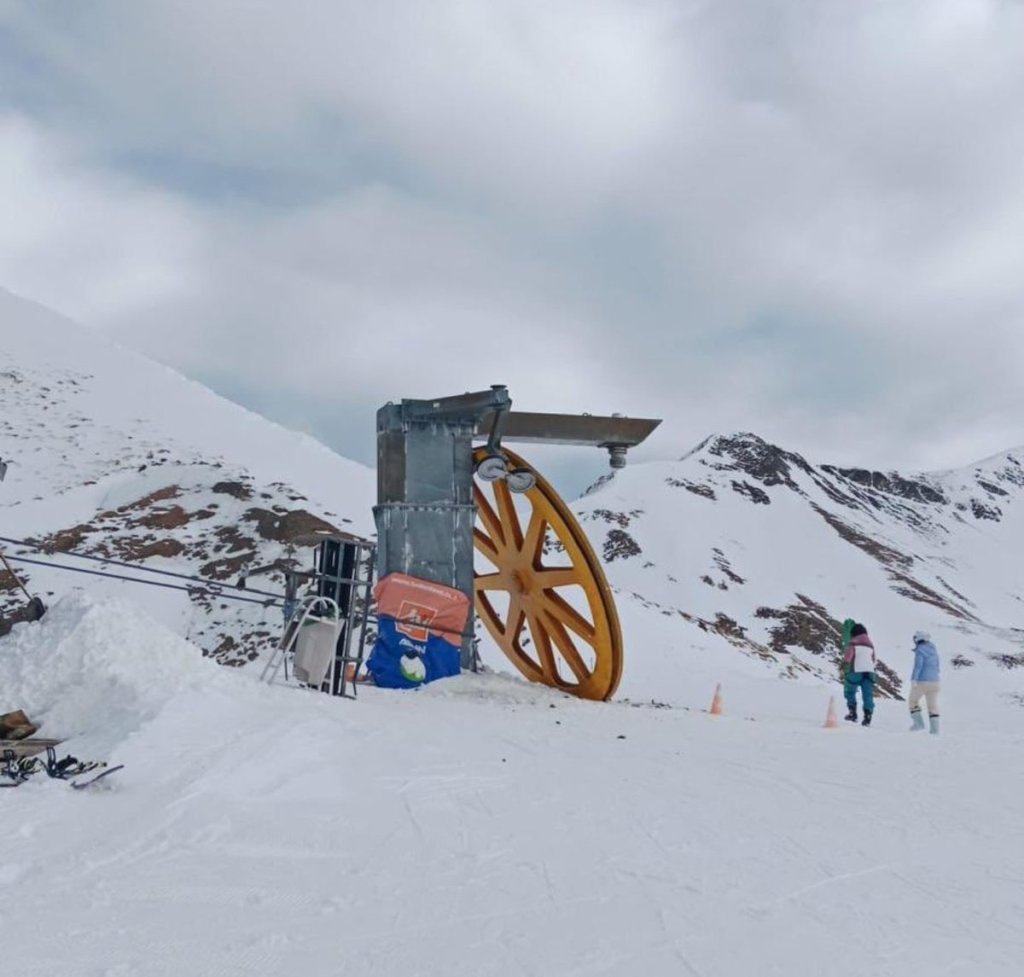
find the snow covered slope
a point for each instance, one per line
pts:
(744, 545)
(113, 455)
(107, 409)
(483, 826)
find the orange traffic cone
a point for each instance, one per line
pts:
(831, 719)
(716, 702)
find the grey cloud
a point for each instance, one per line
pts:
(799, 218)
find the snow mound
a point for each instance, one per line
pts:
(97, 669)
(494, 688)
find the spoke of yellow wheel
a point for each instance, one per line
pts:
(509, 516)
(508, 628)
(489, 518)
(533, 538)
(490, 581)
(568, 650)
(550, 577)
(486, 546)
(562, 611)
(486, 610)
(542, 643)
(514, 618)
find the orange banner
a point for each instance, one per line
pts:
(421, 608)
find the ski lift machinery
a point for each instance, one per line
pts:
(456, 507)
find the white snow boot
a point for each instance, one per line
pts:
(933, 724)
(918, 721)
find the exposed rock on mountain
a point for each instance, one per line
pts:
(771, 552)
(113, 456)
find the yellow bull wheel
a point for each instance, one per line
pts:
(542, 592)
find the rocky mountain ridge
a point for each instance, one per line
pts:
(936, 548)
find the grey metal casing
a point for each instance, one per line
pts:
(425, 512)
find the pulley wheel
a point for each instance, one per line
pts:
(540, 588)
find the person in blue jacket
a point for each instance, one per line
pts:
(924, 683)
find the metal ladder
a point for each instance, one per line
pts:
(355, 586)
(285, 647)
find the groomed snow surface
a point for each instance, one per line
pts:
(484, 826)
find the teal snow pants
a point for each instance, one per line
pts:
(865, 681)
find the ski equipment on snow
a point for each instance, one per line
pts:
(81, 784)
(847, 635)
(15, 770)
(68, 767)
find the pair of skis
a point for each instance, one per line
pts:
(16, 770)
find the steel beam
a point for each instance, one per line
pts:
(580, 429)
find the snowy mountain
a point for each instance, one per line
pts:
(483, 826)
(746, 544)
(740, 545)
(113, 455)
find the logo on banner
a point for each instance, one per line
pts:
(415, 620)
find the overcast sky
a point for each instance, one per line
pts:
(803, 218)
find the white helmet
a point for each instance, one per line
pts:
(920, 636)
